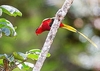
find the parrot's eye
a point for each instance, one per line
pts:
(51, 22)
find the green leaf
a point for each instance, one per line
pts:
(7, 28)
(38, 51)
(2, 56)
(48, 55)
(1, 61)
(10, 58)
(20, 56)
(25, 67)
(6, 31)
(34, 54)
(10, 10)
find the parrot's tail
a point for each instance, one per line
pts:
(70, 28)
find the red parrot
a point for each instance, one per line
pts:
(47, 23)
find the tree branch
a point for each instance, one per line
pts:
(58, 18)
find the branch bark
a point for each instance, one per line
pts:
(51, 35)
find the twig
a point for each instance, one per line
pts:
(6, 65)
(58, 18)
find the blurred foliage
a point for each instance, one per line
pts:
(69, 51)
(19, 60)
(6, 26)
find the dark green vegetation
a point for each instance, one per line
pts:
(69, 51)
(9, 62)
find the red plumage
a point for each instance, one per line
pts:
(46, 25)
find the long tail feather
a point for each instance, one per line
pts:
(70, 28)
(88, 39)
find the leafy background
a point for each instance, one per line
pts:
(69, 51)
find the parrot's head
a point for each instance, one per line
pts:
(45, 26)
(38, 31)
